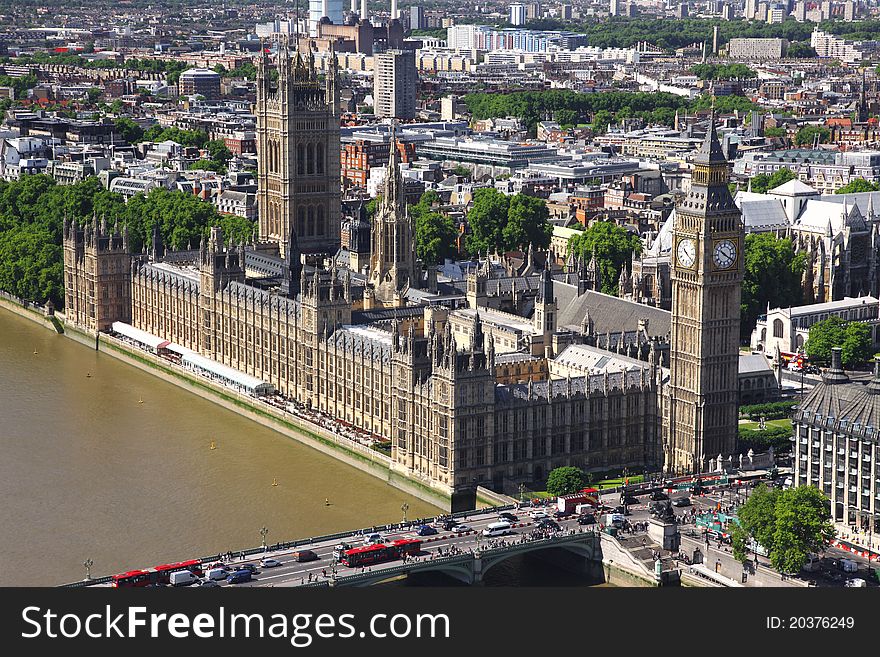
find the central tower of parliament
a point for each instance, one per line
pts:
(422, 371)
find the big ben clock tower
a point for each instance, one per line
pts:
(707, 274)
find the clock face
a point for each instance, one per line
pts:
(724, 254)
(687, 253)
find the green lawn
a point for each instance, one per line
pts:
(783, 422)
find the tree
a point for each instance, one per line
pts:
(799, 50)
(207, 165)
(565, 480)
(803, 525)
(128, 129)
(774, 132)
(487, 218)
(434, 232)
(614, 247)
(760, 183)
(527, 224)
(854, 339)
(773, 275)
(780, 177)
(858, 185)
(218, 151)
(807, 135)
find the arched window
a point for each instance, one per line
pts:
(764, 335)
(310, 227)
(300, 221)
(320, 220)
(319, 157)
(777, 328)
(310, 158)
(800, 341)
(300, 160)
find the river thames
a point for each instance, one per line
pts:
(88, 472)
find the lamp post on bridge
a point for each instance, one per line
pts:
(87, 564)
(263, 532)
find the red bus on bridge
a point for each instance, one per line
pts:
(380, 553)
(156, 575)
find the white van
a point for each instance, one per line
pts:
(182, 578)
(216, 574)
(497, 529)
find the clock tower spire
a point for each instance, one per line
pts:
(707, 274)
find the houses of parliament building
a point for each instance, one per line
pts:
(489, 381)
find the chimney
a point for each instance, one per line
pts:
(325, 8)
(354, 6)
(364, 14)
(393, 9)
(835, 374)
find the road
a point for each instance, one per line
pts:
(293, 573)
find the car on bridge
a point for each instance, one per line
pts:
(461, 529)
(425, 530)
(450, 525)
(251, 568)
(509, 517)
(658, 495)
(587, 519)
(239, 576)
(537, 514)
(305, 555)
(548, 523)
(373, 539)
(681, 501)
(268, 562)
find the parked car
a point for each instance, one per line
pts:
(425, 530)
(681, 501)
(268, 562)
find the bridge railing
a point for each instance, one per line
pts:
(466, 557)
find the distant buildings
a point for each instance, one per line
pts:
(395, 81)
(827, 45)
(757, 48)
(200, 82)
(484, 37)
(517, 14)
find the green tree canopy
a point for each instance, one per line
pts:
(790, 524)
(487, 218)
(854, 339)
(774, 132)
(858, 185)
(527, 223)
(195, 138)
(807, 135)
(32, 211)
(128, 129)
(614, 247)
(434, 232)
(772, 275)
(565, 480)
(207, 165)
(218, 151)
(762, 183)
(800, 50)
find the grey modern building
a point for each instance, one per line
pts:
(395, 81)
(836, 432)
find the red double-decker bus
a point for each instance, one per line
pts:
(157, 574)
(380, 553)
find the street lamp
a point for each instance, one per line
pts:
(404, 507)
(87, 564)
(263, 532)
